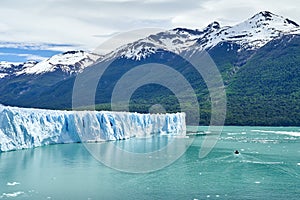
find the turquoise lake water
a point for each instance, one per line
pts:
(268, 167)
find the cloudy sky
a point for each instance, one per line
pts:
(58, 25)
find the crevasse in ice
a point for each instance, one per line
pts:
(27, 128)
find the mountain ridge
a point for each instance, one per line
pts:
(251, 34)
(266, 44)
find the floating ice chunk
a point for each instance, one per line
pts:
(291, 133)
(12, 183)
(14, 194)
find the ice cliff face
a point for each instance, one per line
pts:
(27, 128)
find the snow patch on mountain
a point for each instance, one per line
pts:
(2, 75)
(5, 65)
(10, 68)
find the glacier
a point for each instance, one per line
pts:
(22, 128)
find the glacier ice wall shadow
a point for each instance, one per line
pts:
(28, 128)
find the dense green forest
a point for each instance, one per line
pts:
(264, 90)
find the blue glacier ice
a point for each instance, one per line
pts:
(27, 127)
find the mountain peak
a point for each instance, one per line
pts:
(265, 15)
(212, 27)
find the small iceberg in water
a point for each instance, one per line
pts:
(12, 183)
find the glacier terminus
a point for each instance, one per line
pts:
(22, 128)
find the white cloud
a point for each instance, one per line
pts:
(88, 23)
(36, 46)
(26, 56)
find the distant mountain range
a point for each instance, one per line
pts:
(259, 60)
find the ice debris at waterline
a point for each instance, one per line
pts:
(26, 127)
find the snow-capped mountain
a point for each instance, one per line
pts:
(250, 35)
(69, 62)
(175, 40)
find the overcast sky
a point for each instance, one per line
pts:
(87, 23)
